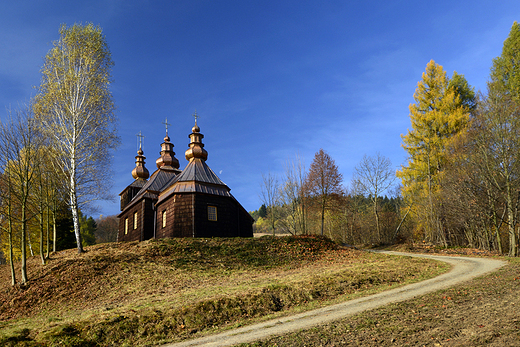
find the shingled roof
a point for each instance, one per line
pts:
(197, 176)
(198, 170)
(166, 173)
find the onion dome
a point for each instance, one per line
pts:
(196, 149)
(167, 159)
(140, 171)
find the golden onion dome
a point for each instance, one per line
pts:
(167, 158)
(140, 171)
(196, 147)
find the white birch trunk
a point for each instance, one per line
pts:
(74, 204)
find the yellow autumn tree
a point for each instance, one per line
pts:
(441, 111)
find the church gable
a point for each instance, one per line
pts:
(130, 192)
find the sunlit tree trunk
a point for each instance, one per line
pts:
(74, 201)
(48, 237)
(29, 242)
(41, 219)
(54, 231)
(24, 243)
(511, 219)
(76, 107)
(10, 233)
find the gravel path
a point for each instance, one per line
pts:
(463, 269)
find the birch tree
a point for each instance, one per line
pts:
(76, 108)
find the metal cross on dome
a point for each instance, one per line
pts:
(196, 116)
(166, 124)
(140, 137)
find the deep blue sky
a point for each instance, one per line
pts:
(269, 79)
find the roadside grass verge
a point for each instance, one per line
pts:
(480, 312)
(132, 294)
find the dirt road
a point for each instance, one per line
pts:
(463, 269)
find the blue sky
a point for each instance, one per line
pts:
(269, 79)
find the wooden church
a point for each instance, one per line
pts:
(193, 202)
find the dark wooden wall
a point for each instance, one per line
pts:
(187, 216)
(179, 217)
(128, 194)
(145, 220)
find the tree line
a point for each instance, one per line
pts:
(54, 150)
(315, 201)
(459, 187)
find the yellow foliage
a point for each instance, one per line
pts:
(262, 225)
(437, 116)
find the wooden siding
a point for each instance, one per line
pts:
(187, 216)
(127, 195)
(145, 219)
(179, 217)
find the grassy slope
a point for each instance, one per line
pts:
(168, 290)
(481, 312)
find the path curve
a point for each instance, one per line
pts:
(464, 268)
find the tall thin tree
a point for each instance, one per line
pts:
(76, 108)
(269, 195)
(441, 111)
(20, 143)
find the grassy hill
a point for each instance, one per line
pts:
(168, 290)
(480, 312)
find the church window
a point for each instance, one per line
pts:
(212, 213)
(135, 220)
(126, 226)
(164, 218)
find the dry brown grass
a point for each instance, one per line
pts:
(160, 291)
(481, 312)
